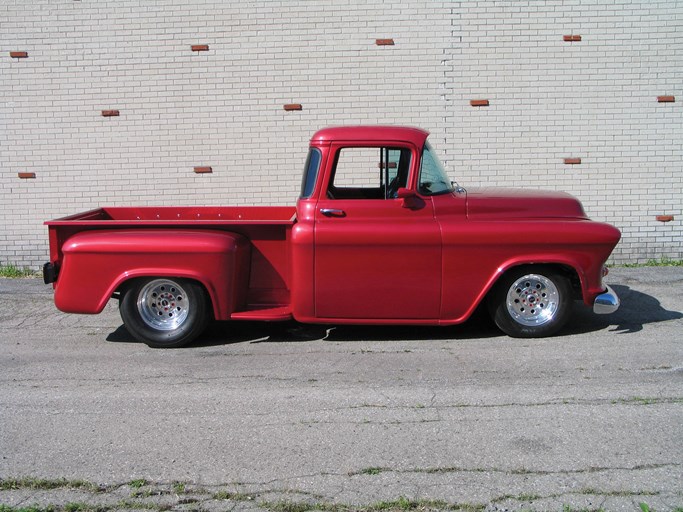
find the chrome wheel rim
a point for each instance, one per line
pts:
(533, 300)
(163, 304)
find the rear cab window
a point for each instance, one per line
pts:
(311, 171)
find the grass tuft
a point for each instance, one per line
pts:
(662, 262)
(136, 484)
(402, 504)
(31, 508)
(11, 484)
(13, 272)
(233, 496)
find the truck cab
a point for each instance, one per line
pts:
(369, 196)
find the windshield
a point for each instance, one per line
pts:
(433, 179)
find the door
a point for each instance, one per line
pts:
(376, 256)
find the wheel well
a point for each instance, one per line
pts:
(128, 283)
(566, 270)
(574, 281)
(125, 285)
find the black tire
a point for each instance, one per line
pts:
(531, 302)
(164, 312)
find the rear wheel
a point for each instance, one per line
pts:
(164, 312)
(531, 302)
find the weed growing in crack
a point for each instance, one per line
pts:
(402, 504)
(233, 496)
(12, 484)
(374, 470)
(136, 484)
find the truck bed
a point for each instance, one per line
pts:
(267, 228)
(180, 215)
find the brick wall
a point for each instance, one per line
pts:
(590, 98)
(205, 84)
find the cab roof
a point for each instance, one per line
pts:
(416, 136)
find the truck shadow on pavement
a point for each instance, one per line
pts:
(227, 333)
(637, 309)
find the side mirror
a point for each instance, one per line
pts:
(410, 199)
(405, 193)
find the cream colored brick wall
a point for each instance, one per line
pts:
(549, 100)
(595, 100)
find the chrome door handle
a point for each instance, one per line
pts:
(332, 212)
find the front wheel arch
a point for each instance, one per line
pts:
(532, 301)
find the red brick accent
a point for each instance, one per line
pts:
(384, 42)
(665, 218)
(110, 113)
(479, 103)
(392, 165)
(200, 47)
(571, 38)
(666, 99)
(572, 161)
(203, 170)
(27, 175)
(293, 106)
(18, 55)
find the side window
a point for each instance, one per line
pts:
(369, 173)
(310, 173)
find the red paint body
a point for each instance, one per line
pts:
(413, 259)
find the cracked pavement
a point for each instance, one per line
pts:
(592, 418)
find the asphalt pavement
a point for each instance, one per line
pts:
(279, 417)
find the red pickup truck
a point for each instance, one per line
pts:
(379, 235)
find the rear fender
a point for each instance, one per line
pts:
(97, 263)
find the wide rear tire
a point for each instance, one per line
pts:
(164, 312)
(531, 302)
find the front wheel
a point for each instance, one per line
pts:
(531, 302)
(164, 312)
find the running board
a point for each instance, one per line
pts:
(267, 313)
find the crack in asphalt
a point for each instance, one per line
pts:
(621, 401)
(520, 471)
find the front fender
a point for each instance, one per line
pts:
(476, 255)
(97, 263)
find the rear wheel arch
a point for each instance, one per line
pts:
(164, 311)
(132, 278)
